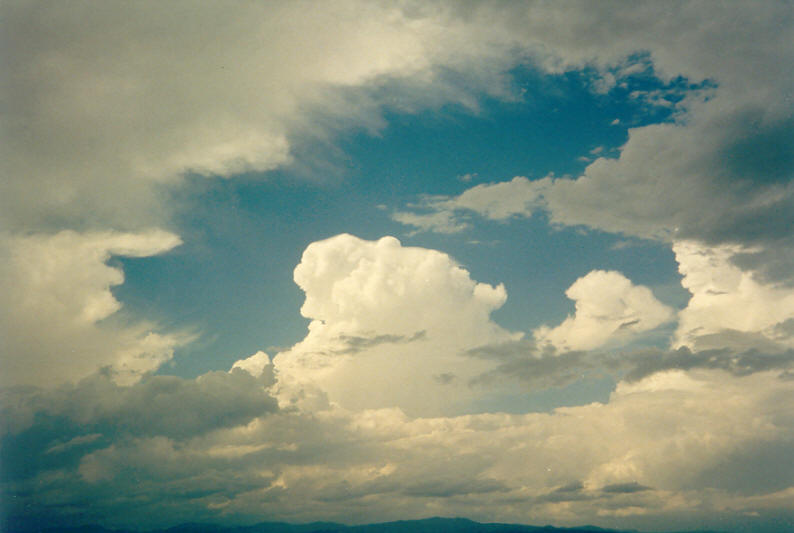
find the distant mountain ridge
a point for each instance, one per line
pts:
(428, 525)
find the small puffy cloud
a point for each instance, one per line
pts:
(642, 364)
(256, 365)
(353, 285)
(498, 201)
(493, 201)
(273, 76)
(386, 319)
(730, 306)
(437, 221)
(608, 307)
(57, 307)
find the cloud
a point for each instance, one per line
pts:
(257, 365)
(623, 195)
(495, 201)
(769, 265)
(300, 466)
(734, 321)
(106, 106)
(729, 305)
(608, 307)
(439, 221)
(727, 145)
(625, 488)
(57, 312)
(739, 363)
(703, 157)
(354, 344)
(538, 368)
(166, 406)
(319, 434)
(119, 100)
(523, 362)
(385, 319)
(180, 448)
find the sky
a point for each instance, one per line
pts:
(358, 261)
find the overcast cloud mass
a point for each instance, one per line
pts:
(364, 261)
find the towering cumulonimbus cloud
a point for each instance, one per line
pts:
(387, 321)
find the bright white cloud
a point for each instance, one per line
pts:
(609, 307)
(387, 321)
(57, 305)
(256, 365)
(727, 302)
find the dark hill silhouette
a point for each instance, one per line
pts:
(429, 525)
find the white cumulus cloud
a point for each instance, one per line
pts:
(387, 320)
(730, 305)
(608, 307)
(495, 201)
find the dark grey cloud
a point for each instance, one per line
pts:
(575, 486)
(576, 492)
(624, 488)
(570, 492)
(523, 361)
(763, 154)
(441, 488)
(445, 378)
(354, 344)
(45, 429)
(743, 363)
(770, 264)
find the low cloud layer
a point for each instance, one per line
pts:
(638, 455)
